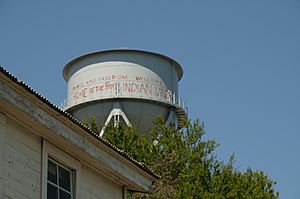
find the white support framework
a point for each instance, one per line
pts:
(172, 118)
(116, 112)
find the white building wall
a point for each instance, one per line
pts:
(2, 153)
(96, 186)
(21, 167)
(21, 161)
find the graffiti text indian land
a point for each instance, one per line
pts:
(121, 86)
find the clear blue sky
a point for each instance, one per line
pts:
(241, 62)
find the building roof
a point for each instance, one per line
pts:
(76, 122)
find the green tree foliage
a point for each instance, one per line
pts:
(187, 164)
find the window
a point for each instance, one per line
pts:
(61, 173)
(59, 181)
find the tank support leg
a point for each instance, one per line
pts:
(172, 119)
(116, 112)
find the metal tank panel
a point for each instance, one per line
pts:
(140, 113)
(145, 84)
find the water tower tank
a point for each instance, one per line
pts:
(134, 84)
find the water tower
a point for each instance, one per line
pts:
(130, 85)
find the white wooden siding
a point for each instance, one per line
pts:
(96, 186)
(21, 163)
